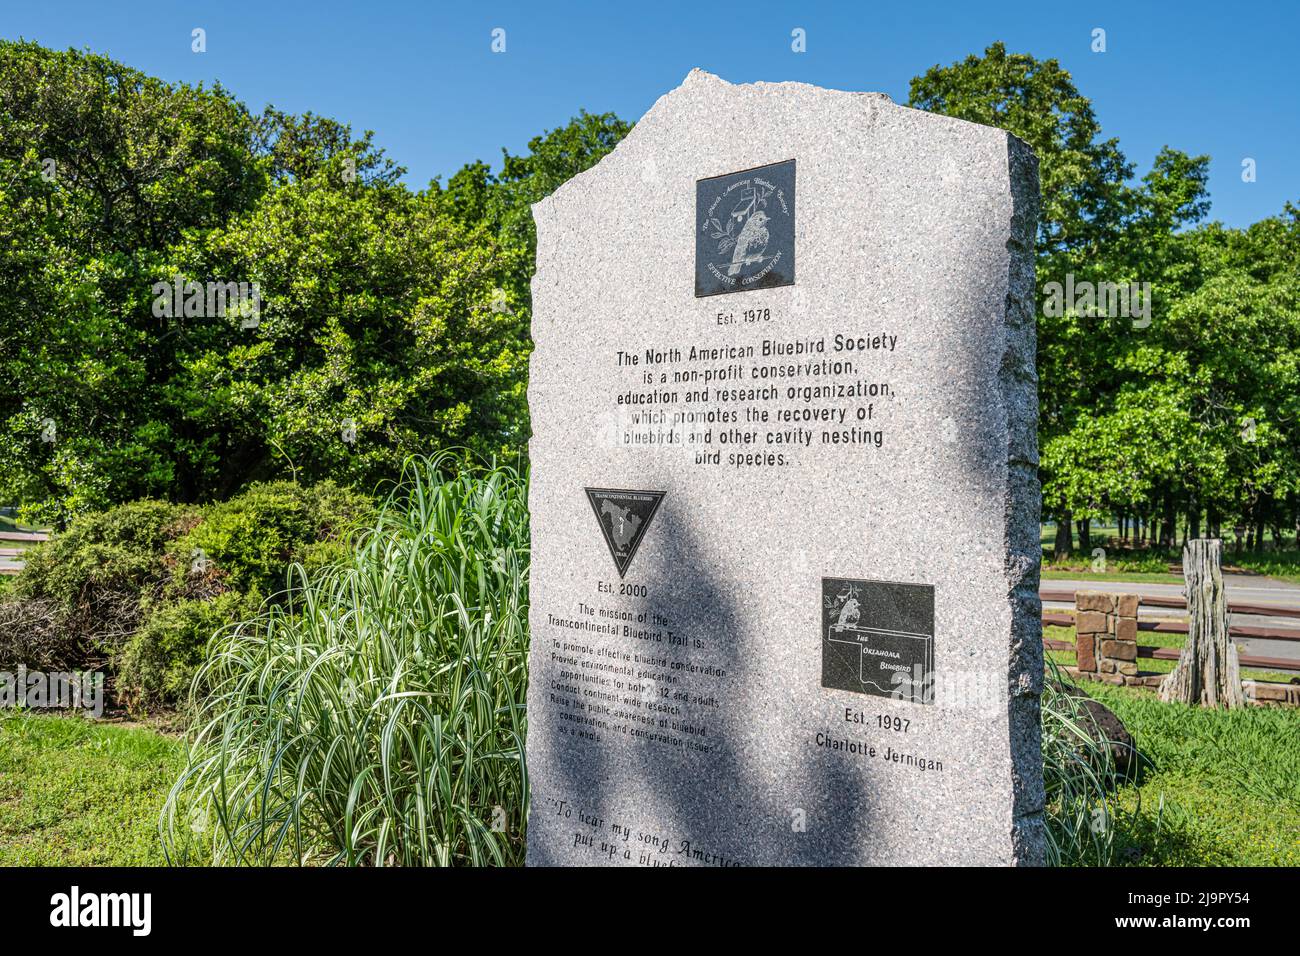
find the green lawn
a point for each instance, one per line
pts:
(1283, 564)
(1221, 789)
(9, 524)
(1274, 564)
(1076, 574)
(77, 793)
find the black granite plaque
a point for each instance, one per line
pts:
(744, 230)
(624, 518)
(878, 638)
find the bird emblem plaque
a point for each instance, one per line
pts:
(745, 230)
(624, 518)
(878, 638)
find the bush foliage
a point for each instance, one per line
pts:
(142, 587)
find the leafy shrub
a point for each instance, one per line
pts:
(1080, 771)
(122, 588)
(33, 635)
(377, 717)
(83, 593)
(251, 540)
(1146, 561)
(156, 665)
(108, 552)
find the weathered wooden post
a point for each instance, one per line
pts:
(1207, 671)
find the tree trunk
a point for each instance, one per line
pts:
(1207, 671)
(1064, 537)
(1085, 536)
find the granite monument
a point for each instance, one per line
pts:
(784, 498)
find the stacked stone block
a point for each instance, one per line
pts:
(1106, 635)
(1268, 694)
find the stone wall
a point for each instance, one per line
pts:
(1271, 695)
(1106, 639)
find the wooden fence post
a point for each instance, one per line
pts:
(1207, 671)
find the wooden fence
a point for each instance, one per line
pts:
(10, 557)
(1259, 690)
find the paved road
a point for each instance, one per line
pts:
(1241, 587)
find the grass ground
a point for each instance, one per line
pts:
(77, 793)
(1072, 574)
(1218, 789)
(9, 524)
(1283, 564)
(1274, 564)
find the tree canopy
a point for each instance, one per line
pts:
(379, 322)
(371, 321)
(1190, 409)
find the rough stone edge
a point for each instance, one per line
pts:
(1017, 374)
(871, 100)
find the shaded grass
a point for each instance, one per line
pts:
(1284, 565)
(1083, 574)
(1132, 565)
(9, 524)
(77, 793)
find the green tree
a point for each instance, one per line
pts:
(378, 338)
(101, 168)
(383, 327)
(1109, 387)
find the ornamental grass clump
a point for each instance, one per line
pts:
(1080, 773)
(376, 717)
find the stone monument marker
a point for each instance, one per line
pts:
(784, 598)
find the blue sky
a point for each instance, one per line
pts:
(1212, 78)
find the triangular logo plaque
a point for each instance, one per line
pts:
(624, 517)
